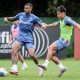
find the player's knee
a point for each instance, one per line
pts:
(54, 51)
(31, 54)
(14, 51)
(50, 48)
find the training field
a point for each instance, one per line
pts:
(73, 72)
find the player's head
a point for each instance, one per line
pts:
(28, 7)
(15, 22)
(61, 11)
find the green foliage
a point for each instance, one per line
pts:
(52, 5)
(40, 8)
(71, 47)
(71, 50)
(72, 6)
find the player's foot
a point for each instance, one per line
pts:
(13, 72)
(24, 66)
(43, 66)
(40, 71)
(61, 72)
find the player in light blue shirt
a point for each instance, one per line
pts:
(27, 20)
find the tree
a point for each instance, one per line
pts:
(52, 5)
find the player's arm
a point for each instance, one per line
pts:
(77, 25)
(72, 22)
(40, 22)
(43, 25)
(7, 19)
(10, 38)
(53, 24)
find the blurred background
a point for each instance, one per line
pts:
(42, 8)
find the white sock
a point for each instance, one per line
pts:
(24, 64)
(15, 68)
(46, 63)
(60, 66)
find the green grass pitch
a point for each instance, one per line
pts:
(73, 71)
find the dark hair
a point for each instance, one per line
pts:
(61, 8)
(29, 4)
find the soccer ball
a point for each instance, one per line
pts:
(3, 72)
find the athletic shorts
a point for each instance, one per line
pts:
(61, 44)
(27, 45)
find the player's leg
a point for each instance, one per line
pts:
(14, 56)
(51, 51)
(59, 64)
(31, 52)
(55, 60)
(20, 58)
(35, 59)
(59, 44)
(30, 48)
(24, 65)
(32, 55)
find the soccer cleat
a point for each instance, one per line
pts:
(40, 71)
(43, 66)
(61, 72)
(24, 66)
(13, 72)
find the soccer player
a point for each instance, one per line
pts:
(25, 37)
(14, 31)
(66, 27)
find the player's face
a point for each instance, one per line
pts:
(60, 15)
(27, 9)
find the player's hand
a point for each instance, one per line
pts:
(5, 20)
(43, 26)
